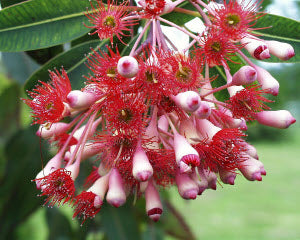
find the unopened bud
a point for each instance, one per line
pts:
(252, 169)
(278, 119)
(154, 207)
(128, 66)
(141, 167)
(55, 129)
(257, 48)
(116, 192)
(203, 111)
(188, 101)
(267, 81)
(186, 155)
(187, 188)
(81, 100)
(227, 177)
(283, 51)
(244, 76)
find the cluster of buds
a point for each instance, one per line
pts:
(152, 118)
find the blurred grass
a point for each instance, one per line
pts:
(252, 210)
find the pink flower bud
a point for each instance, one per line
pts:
(163, 123)
(187, 188)
(128, 66)
(53, 164)
(278, 119)
(200, 181)
(252, 169)
(266, 81)
(283, 51)
(116, 192)
(154, 207)
(211, 179)
(257, 48)
(141, 167)
(186, 155)
(206, 128)
(203, 111)
(55, 129)
(81, 100)
(99, 188)
(90, 150)
(244, 76)
(188, 101)
(188, 129)
(227, 177)
(251, 150)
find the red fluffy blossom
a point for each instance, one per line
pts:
(58, 186)
(110, 19)
(48, 99)
(153, 78)
(185, 73)
(118, 147)
(84, 206)
(216, 48)
(225, 151)
(62, 138)
(164, 166)
(126, 114)
(236, 19)
(153, 8)
(247, 102)
(104, 68)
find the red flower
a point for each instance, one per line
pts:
(58, 186)
(110, 19)
(84, 206)
(164, 166)
(125, 114)
(104, 68)
(185, 73)
(247, 102)
(153, 78)
(153, 7)
(223, 152)
(48, 99)
(236, 19)
(216, 48)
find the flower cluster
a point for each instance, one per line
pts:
(152, 118)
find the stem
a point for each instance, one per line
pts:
(202, 13)
(246, 58)
(190, 45)
(188, 12)
(216, 90)
(162, 37)
(82, 137)
(139, 38)
(178, 27)
(215, 101)
(208, 8)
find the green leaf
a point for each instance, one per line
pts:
(9, 110)
(120, 224)
(59, 225)
(7, 3)
(153, 232)
(41, 56)
(18, 195)
(18, 66)
(73, 62)
(39, 24)
(281, 29)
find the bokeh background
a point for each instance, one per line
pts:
(248, 210)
